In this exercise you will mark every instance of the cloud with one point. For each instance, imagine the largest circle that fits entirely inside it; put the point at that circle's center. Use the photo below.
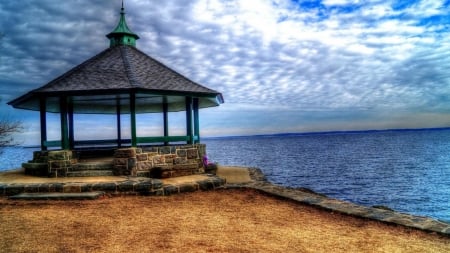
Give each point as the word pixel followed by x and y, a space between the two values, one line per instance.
pixel 349 61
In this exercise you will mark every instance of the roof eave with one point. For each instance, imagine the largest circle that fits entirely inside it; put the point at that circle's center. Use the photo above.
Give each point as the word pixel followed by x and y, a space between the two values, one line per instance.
pixel 17 103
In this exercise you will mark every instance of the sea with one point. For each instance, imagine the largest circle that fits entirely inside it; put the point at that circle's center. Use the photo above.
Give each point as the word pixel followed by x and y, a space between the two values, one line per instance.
pixel 407 170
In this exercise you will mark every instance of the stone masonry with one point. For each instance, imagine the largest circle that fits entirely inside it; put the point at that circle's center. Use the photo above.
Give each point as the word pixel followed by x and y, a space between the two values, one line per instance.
pixel 152 161
pixel 160 161
pixel 50 163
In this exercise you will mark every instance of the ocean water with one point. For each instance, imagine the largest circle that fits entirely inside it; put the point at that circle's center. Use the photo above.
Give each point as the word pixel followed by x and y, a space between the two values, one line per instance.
pixel 13 157
pixel 408 171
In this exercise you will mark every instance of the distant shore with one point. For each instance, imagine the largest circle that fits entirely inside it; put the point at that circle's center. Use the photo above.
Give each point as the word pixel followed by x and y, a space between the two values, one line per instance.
pixel 307 133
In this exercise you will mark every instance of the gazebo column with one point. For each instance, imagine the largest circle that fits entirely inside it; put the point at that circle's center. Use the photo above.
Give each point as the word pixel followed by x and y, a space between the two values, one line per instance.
pixel 166 120
pixel 64 123
pixel 133 119
pixel 189 131
pixel 119 132
pixel 196 121
pixel 71 129
pixel 43 119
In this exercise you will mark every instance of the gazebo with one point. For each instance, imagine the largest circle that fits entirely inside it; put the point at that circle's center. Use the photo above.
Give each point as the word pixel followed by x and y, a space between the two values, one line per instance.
pixel 119 80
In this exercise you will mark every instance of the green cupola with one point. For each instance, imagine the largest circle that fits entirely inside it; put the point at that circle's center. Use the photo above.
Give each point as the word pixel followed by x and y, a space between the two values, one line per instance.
pixel 122 35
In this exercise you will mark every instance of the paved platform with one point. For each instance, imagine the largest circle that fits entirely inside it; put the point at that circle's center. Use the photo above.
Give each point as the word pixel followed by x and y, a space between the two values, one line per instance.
pixel 16 182
pixel 234 175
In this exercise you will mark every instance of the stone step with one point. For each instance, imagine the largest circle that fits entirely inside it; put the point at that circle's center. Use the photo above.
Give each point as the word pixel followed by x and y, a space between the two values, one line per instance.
pixel 58 196
pixel 90 173
pixel 35 169
pixel 83 166
pixel 143 174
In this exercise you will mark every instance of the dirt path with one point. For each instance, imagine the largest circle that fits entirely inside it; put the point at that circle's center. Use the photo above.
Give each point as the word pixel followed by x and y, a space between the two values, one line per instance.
pixel 216 221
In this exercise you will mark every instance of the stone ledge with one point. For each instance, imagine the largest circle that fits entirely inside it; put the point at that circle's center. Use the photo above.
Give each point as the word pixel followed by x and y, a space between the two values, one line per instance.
pixel 211 183
pixel 309 197
pixel 130 185
pixel 58 196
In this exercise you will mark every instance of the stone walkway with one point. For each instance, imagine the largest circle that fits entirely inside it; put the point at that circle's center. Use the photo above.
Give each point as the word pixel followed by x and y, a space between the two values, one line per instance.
pixel 16 182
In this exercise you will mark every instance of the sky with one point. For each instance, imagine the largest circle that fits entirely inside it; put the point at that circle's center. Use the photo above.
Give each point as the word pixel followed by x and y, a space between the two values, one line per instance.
pixel 281 65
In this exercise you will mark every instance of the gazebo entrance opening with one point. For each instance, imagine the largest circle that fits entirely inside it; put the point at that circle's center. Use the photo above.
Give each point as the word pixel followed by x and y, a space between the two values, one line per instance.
pixel 118 106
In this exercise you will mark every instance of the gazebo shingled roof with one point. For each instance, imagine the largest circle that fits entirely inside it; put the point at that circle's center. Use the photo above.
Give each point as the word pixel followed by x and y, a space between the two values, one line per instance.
pixel 115 71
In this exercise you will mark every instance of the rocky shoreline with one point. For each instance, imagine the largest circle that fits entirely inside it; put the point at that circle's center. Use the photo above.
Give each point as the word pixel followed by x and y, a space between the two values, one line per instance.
pixel 306 196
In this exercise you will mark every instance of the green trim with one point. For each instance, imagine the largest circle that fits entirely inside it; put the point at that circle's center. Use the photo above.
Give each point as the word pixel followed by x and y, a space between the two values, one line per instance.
pixel 30 101
pixel 122 35
pixel 165 139
pixel 133 118
pixel 97 142
pixel 112 142
pixel 49 144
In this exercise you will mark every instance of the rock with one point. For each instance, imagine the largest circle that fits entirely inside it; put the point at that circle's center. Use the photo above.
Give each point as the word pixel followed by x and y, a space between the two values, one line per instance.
pixel 383 208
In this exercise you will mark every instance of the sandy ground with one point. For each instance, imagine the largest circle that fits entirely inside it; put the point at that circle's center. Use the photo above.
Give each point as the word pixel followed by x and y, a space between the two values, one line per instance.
pixel 215 221
pixel 18 176
pixel 233 174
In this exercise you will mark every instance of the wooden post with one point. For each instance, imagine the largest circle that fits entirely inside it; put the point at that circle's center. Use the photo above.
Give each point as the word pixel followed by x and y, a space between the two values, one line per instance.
pixel 196 121
pixel 64 125
pixel 71 129
pixel 133 118
pixel 166 120
pixel 189 132
pixel 43 118
pixel 119 133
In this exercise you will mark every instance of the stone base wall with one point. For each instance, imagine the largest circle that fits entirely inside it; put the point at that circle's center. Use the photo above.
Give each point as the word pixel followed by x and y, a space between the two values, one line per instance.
pixel 154 161
pixel 160 161
pixel 50 163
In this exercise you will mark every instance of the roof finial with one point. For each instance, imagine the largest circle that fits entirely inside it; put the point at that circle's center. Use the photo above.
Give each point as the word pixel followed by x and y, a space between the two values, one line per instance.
pixel 122 35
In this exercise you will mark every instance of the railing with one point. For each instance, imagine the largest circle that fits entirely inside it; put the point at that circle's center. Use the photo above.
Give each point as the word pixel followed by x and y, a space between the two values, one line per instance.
pixel 52 144
pixel 165 139
pixel 114 142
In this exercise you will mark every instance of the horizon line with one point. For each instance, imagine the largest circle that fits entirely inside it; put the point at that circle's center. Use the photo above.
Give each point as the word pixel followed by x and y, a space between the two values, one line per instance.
pixel 306 133
pixel 334 132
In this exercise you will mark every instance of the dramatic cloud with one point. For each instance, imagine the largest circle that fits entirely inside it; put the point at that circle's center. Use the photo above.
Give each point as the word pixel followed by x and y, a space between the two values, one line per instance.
pixel 282 65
